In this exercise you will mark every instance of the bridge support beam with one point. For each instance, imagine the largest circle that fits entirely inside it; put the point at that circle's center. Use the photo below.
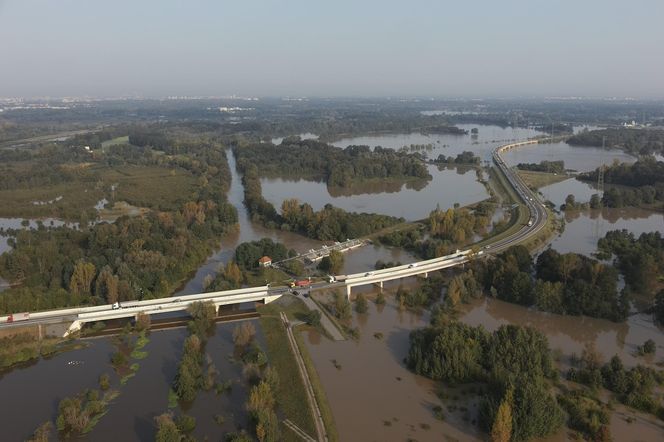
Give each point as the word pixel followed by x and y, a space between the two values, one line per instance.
pixel 269 299
pixel 73 328
pixel 348 292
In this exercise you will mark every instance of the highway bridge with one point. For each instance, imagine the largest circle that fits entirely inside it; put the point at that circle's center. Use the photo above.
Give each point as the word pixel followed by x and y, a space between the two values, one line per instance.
pixel 538 216
pixel 78 316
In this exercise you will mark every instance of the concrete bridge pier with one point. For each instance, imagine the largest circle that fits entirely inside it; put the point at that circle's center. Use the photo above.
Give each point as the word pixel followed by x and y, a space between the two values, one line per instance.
pixel 73 328
pixel 348 292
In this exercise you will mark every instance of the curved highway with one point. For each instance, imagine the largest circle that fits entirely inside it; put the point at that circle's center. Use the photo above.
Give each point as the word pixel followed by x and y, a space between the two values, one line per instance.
pixel 537 220
pixel 538 217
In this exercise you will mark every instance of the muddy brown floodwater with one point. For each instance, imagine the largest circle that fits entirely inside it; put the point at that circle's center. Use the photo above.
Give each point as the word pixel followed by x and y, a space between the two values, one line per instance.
pixel 584 228
pixel 373 396
pixel 32 393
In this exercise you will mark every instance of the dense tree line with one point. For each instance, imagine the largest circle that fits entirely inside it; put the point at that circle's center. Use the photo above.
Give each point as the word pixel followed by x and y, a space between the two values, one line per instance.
pixel 574 284
pixel 331 223
pixel 458 225
pixel 195 372
pixel 337 167
pixel 328 224
pixel 586 414
pixel 631 184
pixel 543 166
pixel 640 260
pixel 444 232
pixel 658 308
pixel 633 387
pixel 247 254
pixel 425 295
pixel 634 141
pixel 514 362
pixel 568 283
pixel 464 157
pixel 133 258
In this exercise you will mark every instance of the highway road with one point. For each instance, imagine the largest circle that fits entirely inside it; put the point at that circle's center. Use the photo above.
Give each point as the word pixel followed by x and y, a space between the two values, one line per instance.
pixel 538 218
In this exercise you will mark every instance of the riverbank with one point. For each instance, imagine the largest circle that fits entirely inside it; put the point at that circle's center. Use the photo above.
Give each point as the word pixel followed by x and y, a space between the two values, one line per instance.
pixel 292 395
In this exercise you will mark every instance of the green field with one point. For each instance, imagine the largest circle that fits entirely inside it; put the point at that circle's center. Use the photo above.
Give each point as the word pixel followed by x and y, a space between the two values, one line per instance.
pixel 150 186
pixel 142 186
pixel 115 141
pixel 76 197
pixel 535 180
pixel 292 398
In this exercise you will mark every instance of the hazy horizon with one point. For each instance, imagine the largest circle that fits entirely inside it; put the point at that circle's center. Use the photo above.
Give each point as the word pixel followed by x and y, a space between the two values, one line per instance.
pixel 374 49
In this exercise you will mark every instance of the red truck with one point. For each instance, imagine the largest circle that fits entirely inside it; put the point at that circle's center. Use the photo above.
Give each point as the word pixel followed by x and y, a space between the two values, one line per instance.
pixel 15 317
pixel 302 283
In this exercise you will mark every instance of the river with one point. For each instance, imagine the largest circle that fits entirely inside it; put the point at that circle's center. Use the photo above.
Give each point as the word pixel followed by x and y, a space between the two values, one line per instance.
pixel 356 260
pixel 373 395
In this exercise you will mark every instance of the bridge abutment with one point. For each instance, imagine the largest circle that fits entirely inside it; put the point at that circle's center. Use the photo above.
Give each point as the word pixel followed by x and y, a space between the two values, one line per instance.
pixel 73 328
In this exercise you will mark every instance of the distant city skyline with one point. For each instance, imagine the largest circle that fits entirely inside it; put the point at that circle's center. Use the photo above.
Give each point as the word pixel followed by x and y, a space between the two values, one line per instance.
pixel 271 48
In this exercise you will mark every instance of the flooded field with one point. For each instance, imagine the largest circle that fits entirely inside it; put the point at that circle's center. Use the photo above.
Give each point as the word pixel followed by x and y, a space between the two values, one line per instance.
pixel 373 396
pixel 569 334
pixel 578 158
pixel 355 260
pixel 584 228
pixel 131 415
pixel 556 193
pixel 482 143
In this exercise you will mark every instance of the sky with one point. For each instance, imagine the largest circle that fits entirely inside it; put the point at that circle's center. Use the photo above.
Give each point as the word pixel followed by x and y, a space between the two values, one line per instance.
pixel 317 48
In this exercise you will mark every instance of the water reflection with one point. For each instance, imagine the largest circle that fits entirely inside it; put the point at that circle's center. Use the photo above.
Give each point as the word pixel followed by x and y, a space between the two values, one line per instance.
pixel 556 193
pixel 488 137
pixel 579 158
pixel 356 260
pixel 584 228
pixel 411 201
pixel 372 386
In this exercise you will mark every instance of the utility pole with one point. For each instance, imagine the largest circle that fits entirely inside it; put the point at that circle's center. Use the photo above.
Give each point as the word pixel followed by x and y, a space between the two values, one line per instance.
pixel 600 190
pixel 600 173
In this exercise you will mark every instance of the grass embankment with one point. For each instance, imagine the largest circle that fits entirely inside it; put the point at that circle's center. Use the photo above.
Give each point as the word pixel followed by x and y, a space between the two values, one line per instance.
pixel 553 225
pixel 519 215
pixel 405 226
pixel 265 275
pixel 535 180
pixel 321 397
pixel 342 329
pixel 292 397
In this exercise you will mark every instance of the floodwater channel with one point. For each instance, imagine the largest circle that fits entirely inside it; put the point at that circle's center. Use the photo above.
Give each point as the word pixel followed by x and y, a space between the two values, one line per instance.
pixel 36 389
pixel 373 396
